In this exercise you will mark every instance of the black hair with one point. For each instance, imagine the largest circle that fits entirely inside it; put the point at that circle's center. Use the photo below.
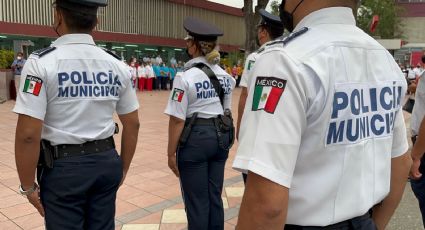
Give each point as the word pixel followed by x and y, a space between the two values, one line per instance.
pixel 273 31
pixel 423 59
pixel 78 17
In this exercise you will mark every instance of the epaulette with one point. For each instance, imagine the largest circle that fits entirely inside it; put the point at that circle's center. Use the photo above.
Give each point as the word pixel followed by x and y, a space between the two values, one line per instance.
pixel 112 54
pixel 285 40
pixel 41 52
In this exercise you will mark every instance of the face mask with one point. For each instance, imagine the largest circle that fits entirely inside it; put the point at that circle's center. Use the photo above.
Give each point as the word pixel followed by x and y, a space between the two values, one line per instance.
pixel 19 58
pixel 286 17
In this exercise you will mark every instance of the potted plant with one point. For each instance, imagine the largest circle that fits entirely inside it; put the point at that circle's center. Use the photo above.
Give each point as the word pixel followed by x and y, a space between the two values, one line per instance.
pixel 6 75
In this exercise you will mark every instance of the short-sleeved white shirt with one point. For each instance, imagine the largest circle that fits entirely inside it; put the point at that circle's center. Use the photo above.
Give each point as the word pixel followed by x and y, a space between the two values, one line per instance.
pixel 418 112
pixel 149 71
pixel 142 72
pixel 194 93
pixel 75 89
pixel 249 65
pixel 323 121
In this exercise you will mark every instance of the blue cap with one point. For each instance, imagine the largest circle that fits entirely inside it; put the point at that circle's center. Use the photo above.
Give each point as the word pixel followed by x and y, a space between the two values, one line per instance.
pixel 268 19
pixel 90 2
pixel 201 30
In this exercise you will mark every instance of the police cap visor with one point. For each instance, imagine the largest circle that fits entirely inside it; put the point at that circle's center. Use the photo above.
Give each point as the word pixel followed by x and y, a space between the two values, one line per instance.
pixel 201 30
pixel 89 2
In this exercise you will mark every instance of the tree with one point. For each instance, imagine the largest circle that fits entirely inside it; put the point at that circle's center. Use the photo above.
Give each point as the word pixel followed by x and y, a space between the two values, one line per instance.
pixel 389 25
pixel 251 20
pixel 275 7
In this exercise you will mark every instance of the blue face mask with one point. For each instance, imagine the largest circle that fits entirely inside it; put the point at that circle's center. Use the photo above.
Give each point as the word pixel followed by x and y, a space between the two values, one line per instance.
pixel 286 17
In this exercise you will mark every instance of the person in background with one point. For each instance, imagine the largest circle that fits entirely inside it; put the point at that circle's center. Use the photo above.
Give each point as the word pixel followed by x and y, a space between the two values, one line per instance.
pixel 141 76
pixel 150 76
pixel 133 70
pixel 239 71
pixel 157 73
pixel 17 66
pixel 173 71
pixel 165 75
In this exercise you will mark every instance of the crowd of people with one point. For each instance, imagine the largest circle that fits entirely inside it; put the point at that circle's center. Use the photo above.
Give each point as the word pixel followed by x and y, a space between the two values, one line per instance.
pixel 153 73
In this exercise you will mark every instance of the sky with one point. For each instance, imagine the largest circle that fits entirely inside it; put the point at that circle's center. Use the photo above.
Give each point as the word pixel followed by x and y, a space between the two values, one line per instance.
pixel 237 3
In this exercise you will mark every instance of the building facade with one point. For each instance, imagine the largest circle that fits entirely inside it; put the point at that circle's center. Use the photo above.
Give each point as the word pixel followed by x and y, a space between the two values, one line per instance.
pixel 129 27
pixel 413 20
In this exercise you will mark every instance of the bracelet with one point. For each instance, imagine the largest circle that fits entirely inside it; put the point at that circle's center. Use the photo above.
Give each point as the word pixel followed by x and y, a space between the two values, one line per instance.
pixel 29 191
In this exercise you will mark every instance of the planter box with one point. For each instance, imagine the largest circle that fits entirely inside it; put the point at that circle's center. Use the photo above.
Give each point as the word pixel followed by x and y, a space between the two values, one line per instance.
pixel 6 76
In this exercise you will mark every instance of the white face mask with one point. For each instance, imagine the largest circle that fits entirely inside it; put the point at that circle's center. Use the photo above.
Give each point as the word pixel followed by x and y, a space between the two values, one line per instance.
pixel 19 58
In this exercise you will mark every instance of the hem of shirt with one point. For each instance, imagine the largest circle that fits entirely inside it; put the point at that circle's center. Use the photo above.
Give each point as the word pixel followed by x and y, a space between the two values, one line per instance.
pixel 174 115
pixel 128 109
pixel 245 165
pixel 400 151
pixel 29 112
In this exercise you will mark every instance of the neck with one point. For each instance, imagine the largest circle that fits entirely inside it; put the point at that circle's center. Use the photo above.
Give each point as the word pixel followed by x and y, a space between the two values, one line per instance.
pixel 308 7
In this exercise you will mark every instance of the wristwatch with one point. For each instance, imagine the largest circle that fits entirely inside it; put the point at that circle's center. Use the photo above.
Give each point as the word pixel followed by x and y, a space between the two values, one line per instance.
pixel 29 191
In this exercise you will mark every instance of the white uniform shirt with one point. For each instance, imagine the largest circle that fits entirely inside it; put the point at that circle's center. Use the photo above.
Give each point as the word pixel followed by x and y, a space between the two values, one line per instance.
pixel 142 72
pixel 323 121
pixel 411 74
pixel 75 90
pixel 418 112
pixel 249 65
pixel 149 71
pixel 193 92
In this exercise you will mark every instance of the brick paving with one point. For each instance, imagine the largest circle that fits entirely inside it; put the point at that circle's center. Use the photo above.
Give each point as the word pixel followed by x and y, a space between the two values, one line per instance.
pixel 150 197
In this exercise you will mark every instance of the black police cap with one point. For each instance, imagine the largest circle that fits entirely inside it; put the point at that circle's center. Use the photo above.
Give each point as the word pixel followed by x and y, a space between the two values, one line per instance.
pixel 201 30
pixel 89 2
pixel 268 19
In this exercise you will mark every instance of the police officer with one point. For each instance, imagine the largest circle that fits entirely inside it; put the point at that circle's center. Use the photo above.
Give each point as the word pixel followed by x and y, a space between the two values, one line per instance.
pixel 417 181
pixel 269 28
pixel 198 144
pixel 69 92
pixel 323 134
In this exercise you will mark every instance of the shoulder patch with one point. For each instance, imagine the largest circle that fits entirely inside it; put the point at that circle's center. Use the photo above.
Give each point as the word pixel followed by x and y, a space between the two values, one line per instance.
pixel 44 51
pixel 112 54
pixel 289 38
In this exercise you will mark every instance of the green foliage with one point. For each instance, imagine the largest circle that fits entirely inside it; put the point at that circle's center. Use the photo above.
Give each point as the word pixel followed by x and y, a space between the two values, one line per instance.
pixel 6 58
pixel 275 7
pixel 389 25
pixel 233 58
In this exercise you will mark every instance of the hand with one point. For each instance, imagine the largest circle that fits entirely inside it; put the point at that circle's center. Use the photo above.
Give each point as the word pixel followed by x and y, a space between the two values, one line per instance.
pixel 414 169
pixel 172 164
pixel 34 199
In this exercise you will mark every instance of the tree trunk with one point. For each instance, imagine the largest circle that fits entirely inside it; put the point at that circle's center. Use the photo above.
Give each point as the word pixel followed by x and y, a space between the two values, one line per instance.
pixel 251 20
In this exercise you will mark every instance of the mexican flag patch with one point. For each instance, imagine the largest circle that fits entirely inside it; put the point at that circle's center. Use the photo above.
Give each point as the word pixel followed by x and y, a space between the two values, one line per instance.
pixel 250 64
pixel 267 93
pixel 177 95
pixel 32 85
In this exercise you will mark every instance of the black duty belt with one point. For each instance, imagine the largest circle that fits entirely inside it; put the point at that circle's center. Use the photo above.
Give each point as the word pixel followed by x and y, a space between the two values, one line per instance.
pixel 205 121
pixel 344 225
pixel 89 147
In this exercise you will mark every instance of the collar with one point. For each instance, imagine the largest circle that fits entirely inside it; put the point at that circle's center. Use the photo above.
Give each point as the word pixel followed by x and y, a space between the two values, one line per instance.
pixel 193 61
pixel 330 15
pixel 74 39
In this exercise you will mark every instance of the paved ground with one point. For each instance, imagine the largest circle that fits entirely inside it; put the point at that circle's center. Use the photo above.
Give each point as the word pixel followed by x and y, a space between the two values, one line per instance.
pixel 150 197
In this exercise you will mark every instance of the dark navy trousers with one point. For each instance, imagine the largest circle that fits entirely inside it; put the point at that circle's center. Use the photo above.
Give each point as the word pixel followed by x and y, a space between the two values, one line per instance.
pixel 418 187
pixel 79 192
pixel 201 165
